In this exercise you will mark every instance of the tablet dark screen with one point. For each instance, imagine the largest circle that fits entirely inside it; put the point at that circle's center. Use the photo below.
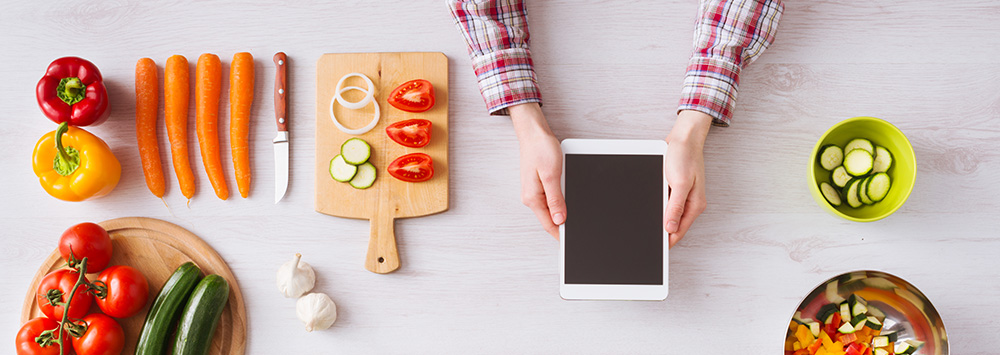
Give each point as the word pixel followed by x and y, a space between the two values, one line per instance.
pixel 614 225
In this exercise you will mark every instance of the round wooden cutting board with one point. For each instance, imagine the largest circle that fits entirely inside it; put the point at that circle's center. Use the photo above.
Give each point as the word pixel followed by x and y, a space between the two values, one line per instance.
pixel 157 248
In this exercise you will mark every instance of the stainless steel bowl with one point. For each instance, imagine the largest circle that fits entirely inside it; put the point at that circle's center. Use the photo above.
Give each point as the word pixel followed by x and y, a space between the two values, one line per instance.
pixel 906 309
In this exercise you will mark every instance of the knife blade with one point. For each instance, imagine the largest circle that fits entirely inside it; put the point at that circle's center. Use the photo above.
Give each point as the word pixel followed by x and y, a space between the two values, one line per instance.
pixel 280 116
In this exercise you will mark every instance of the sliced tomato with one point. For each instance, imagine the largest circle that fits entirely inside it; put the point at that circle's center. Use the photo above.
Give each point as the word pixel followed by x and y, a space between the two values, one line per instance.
pixel 413 133
pixel 413 96
pixel 415 167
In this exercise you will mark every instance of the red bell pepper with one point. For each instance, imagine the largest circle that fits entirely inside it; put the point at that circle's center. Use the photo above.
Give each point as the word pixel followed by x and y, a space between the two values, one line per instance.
pixel 73 91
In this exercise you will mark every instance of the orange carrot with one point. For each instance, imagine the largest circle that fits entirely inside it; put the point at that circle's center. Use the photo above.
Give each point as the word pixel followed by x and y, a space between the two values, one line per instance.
pixel 147 93
pixel 176 95
pixel 240 100
pixel 208 87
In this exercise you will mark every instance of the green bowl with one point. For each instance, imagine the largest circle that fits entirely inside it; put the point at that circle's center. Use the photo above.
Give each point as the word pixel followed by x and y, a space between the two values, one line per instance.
pixel 902 173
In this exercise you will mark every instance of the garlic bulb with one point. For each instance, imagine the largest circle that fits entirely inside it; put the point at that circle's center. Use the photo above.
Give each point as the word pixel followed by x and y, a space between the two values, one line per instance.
pixel 317 311
pixel 296 277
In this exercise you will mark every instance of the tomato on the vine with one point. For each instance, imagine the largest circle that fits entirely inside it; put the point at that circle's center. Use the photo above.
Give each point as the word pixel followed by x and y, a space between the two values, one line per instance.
pixel 413 96
pixel 126 293
pixel 86 240
pixel 104 336
pixel 55 288
pixel 30 331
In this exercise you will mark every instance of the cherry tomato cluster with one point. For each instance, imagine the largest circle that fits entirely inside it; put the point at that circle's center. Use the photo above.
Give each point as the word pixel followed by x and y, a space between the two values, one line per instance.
pixel 65 297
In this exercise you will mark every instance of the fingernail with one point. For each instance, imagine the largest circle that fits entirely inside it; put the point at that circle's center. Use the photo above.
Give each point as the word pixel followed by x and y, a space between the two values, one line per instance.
pixel 558 218
pixel 672 227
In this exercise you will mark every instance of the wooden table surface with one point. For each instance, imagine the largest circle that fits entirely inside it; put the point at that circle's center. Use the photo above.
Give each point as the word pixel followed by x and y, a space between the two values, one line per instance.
pixel 482 277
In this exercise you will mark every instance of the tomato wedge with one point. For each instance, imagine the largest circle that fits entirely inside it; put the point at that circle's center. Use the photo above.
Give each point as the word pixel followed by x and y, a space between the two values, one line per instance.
pixel 413 96
pixel 414 167
pixel 413 133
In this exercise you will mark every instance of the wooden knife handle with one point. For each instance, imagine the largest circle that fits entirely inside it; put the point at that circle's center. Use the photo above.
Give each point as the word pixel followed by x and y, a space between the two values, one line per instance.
pixel 280 90
pixel 383 257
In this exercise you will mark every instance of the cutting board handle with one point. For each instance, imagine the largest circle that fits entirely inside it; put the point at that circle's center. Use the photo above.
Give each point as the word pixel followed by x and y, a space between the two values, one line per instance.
pixel 382 255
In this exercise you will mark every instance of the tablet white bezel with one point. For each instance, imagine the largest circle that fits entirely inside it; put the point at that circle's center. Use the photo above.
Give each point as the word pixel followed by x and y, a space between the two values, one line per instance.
pixel 612 292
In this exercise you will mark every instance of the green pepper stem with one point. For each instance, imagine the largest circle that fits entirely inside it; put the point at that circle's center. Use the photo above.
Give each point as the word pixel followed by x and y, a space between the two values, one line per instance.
pixel 68 158
pixel 71 90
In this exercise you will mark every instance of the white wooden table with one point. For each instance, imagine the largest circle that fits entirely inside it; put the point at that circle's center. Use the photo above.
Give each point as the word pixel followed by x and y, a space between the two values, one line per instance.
pixel 482 277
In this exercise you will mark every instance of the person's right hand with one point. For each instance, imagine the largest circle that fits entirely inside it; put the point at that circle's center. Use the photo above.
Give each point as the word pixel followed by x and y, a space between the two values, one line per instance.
pixel 541 166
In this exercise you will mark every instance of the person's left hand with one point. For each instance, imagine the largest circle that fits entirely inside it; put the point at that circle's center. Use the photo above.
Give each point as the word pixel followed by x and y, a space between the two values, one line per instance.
pixel 684 169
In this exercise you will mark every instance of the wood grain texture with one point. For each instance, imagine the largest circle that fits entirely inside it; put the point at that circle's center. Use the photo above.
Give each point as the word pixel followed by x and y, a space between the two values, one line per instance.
pixel 483 276
pixel 157 248
pixel 389 198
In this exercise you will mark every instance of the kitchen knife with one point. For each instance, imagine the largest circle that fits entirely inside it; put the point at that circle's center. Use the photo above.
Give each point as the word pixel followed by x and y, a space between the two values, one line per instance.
pixel 281 141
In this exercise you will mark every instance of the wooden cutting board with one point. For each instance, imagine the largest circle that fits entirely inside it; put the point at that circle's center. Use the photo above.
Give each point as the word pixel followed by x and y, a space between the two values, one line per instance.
pixel 389 198
pixel 157 248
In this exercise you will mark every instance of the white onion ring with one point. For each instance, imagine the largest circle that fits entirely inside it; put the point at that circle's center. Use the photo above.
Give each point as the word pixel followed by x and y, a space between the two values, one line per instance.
pixel 369 94
pixel 358 131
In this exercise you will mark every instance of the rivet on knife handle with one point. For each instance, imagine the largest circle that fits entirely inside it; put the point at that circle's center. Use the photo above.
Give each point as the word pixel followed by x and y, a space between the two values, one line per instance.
pixel 281 63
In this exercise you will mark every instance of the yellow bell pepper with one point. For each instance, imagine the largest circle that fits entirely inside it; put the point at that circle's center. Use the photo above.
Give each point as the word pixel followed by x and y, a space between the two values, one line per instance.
pixel 74 165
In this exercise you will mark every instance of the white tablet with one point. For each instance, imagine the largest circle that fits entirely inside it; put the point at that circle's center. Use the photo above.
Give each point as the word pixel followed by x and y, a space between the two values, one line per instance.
pixel 613 245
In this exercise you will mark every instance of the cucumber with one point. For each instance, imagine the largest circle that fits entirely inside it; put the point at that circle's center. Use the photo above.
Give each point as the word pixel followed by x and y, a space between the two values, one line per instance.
pixel 165 309
pixel 883 160
pixel 201 316
pixel 860 143
pixel 858 162
pixel 356 151
pixel 365 177
pixel 879 186
pixel 830 193
pixel 340 170
pixel 840 177
pixel 830 157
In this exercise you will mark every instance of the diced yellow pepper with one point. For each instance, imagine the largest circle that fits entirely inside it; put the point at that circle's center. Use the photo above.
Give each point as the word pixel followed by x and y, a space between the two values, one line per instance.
pixel 804 335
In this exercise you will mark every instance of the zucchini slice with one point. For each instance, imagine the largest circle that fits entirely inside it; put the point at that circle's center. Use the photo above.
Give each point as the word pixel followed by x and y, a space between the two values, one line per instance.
pixel 858 162
pixel 874 323
pixel 880 341
pixel 879 186
pixel 365 177
pixel 830 157
pixel 846 328
pixel 840 177
pixel 826 311
pixel 831 194
pixel 863 192
pixel 851 195
pixel 813 328
pixel 883 160
pixel 893 337
pixel 356 151
pixel 860 143
pixel 845 313
pixel 340 170
pixel 879 351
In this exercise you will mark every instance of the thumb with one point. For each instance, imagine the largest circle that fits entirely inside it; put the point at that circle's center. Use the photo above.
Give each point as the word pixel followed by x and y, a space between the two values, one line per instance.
pixel 554 198
pixel 675 207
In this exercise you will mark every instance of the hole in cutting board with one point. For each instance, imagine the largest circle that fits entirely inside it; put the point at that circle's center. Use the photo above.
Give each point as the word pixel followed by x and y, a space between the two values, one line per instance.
pixel 381 260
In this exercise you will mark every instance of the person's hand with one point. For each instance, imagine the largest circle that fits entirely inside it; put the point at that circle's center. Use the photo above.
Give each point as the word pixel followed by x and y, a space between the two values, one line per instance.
pixel 684 169
pixel 541 166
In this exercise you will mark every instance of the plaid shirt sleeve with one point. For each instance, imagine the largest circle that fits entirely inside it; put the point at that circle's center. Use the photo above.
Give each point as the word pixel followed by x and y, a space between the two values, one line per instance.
pixel 497 34
pixel 730 34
